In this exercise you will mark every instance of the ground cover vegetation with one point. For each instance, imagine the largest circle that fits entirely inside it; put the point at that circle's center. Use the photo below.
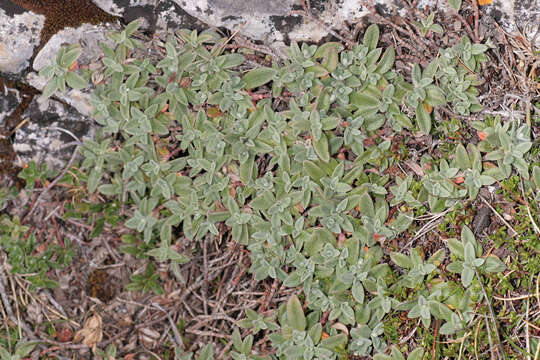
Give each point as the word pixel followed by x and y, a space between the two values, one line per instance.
pixel 340 182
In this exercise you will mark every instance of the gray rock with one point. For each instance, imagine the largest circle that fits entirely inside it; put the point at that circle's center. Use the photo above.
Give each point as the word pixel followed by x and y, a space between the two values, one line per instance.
pixel 170 17
pixel 271 20
pixel 274 21
pixel 268 20
pixel 131 10
pixel 78 99
pixel 9 100
pixel 516 16
pixel 47 136
pixel 158 15
pixel 88 36
pixel 19 35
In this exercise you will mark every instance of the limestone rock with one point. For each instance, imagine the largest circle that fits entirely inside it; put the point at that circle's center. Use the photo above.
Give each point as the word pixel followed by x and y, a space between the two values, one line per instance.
pixel 275 21
pixel 170 16
pixel 20 33
pixel 46 136
pixel 9 100
pixel 88 36
pixel 131 9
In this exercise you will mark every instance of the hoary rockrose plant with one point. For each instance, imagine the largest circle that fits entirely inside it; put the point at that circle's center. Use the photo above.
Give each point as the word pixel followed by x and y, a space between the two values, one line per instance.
pixel 190 151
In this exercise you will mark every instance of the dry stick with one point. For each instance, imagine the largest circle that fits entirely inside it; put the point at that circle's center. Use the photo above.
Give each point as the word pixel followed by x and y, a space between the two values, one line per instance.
pixel 535 227
pixel 3 294
pixel 177 336
pixel 527 340
pixel 538 289
pixel 197 284
pixel 52 184
pixel 208 333
pixel 231 37
pixel 205 273
pixel 462 344
pixel 60 313
pixel 499 216
pixel 435 339
pixel 476 340
pixel 268 298
pixel 462 19
pixel 16 305
pixel 488 328
pixel 8 308
pixel 384 20
pixel 419 40
pixel 476 20
pixel 275 53
pixel 521 297
pixel 492 314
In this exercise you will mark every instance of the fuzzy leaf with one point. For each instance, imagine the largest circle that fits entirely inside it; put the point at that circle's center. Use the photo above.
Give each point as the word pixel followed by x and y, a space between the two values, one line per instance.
pixel 371 36
pixel 455 4
pixel 295 314
pixel 435 96
pixel 462 158
pixel 536 176
pixel 416 354
pixel 75 81
pixel 50 88
pixel 246 169
pixel 423 119
pixel 258 77
pixel 467 275
pixel 328 52
pixel 237 339
pixel 318 70
pixel 387 61
pixel 321 148
pixel 207 353
pixel 363 101
pixel 68 58
pixel 133 26
pixel 358 292
pixel 334 342
pixel 231 60
pixel 313 170
pixel 366 205
pixel 315 332
pixel 456 248
pixel 401 260
pixel 493 264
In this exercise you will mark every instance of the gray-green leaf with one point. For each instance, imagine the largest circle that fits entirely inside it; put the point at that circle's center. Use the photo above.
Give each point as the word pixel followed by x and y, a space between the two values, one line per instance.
pixel 258 77
pixel 295 315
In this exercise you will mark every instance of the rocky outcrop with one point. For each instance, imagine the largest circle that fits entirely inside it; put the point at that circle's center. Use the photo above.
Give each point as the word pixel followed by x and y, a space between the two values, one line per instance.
pixel 268 21
pixel 19 36
pixel 51 132
pixel 278 20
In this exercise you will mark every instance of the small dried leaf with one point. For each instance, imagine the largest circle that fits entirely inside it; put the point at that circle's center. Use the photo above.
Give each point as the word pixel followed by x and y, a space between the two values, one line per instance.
pixel 148 338
pixel 91 333
pixel 481 135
